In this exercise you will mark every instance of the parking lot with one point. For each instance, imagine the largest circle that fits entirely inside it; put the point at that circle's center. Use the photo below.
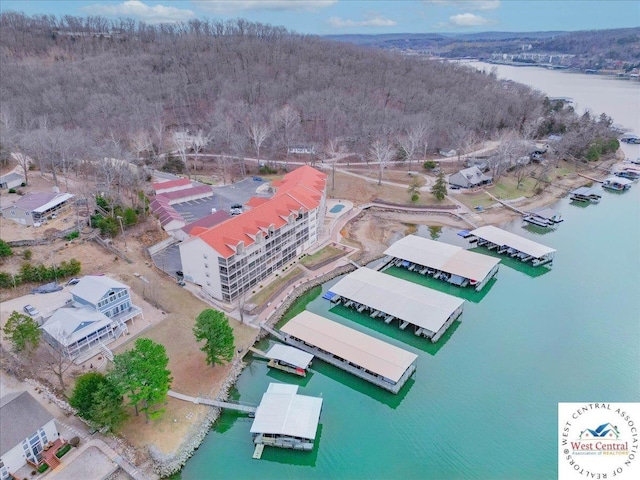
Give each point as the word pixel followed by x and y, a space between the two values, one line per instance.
pixel 168 260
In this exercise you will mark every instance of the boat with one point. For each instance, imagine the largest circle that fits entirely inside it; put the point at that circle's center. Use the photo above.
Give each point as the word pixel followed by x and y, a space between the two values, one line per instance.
pixel 628 174
pixel 617 184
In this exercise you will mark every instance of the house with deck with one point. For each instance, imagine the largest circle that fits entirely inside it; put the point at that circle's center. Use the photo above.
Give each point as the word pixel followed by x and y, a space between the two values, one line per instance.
pixel 471 177
pixel 29 435
pixel 34 208
pixel 96 315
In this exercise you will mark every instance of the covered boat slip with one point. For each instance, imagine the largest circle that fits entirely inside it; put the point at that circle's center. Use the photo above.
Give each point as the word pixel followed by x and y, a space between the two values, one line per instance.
pixel 461 266
pixel 285 419
pixel 289 359
pixel 585 194
pixel 369 358
pixel 390 298
pixel 513 245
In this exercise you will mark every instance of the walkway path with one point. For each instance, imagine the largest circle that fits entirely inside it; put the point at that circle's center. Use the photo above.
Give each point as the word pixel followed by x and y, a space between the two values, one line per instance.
pixel 212 403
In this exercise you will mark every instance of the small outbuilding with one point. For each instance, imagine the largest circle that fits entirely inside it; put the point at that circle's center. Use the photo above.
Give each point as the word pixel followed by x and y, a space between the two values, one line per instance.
pixel 11 180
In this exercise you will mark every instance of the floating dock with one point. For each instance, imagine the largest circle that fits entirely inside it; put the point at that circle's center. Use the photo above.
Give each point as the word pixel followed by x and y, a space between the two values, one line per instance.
pixel 544 217
pixel 513 245
pixel 585 194
pixel 617 183
pixel 461 267
pixel 287 359
pixel 366 357
pixel 285 419
pixel 430 312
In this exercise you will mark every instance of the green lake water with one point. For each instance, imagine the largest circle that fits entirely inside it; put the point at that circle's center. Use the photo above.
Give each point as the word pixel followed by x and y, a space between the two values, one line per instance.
pixel 483 401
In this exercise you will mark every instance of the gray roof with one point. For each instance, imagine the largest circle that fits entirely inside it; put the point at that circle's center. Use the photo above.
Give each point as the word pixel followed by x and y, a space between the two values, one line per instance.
pixel 469 177
pixel 10 177
pixel 405 300
pixel 69 325
pixel 20 417
pixel 283 412
pixel 31 201
pixel 503 238
pixel 290 355
pixel 93 287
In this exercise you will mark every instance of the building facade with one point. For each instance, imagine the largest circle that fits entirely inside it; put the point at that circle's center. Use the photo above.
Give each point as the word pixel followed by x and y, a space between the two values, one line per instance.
pixel 231 258
pixel 27 429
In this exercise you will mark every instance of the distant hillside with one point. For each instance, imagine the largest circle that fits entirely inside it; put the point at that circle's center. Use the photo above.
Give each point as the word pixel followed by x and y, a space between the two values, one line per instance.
pixel 617 48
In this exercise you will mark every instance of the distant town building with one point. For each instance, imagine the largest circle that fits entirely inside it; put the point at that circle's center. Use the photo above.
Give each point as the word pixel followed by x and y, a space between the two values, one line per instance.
pixel 230 258
pixel 302 150
pixel 34 208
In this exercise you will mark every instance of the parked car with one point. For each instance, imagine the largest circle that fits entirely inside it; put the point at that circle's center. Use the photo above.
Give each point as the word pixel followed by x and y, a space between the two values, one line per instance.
pixel 73 281
pixel 31 311
pixel 257 179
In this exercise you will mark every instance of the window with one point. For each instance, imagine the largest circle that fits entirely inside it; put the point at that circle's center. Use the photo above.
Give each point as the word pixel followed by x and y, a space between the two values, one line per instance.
pixel 205 255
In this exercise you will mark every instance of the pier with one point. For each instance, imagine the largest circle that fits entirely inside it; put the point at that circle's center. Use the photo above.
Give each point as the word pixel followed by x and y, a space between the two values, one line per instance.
pixel 366 357
pixel 213 403
pixel 428 257
pixel 380 295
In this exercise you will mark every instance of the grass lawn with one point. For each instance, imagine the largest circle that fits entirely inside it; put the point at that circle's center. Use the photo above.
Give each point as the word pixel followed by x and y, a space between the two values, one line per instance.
pixel 320 256
pixel 505 189
pixel 263 294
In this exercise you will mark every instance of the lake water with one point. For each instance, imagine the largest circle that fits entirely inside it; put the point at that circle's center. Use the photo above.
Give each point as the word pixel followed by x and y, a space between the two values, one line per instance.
pixel 483 401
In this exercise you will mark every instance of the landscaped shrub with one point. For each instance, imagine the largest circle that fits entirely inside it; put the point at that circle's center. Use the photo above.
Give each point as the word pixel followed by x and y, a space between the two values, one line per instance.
pixel 5 249
pixel 43 468
pixel 60 453
pixel 72 235
pixel 74 442
pixel 12 190
pixel 27 254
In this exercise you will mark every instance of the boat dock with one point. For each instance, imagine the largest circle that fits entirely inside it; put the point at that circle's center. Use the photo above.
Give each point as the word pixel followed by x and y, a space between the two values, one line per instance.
pixel 513 245
pixel 366 357
pixel 443 261
pixel 285 419
pixel 585 194
pixel 617 183
pixel 389 298
pixel 287 359
pixel 544 217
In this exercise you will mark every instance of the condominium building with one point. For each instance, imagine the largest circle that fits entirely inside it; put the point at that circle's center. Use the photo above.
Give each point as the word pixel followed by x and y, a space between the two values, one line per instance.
pixel 230 258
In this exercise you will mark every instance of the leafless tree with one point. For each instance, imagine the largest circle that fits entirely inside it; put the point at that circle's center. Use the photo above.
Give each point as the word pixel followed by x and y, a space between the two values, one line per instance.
pixel 381 152
pixel 258 132
pixel 287 121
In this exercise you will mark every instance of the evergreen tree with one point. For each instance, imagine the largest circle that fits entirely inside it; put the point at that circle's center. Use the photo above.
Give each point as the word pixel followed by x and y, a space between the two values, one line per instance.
pixel 22 331
pixel 439 189
pixel 97 400
pixel 213 327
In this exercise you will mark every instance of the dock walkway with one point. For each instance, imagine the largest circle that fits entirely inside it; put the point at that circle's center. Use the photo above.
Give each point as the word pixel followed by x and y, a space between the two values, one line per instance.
pixel 212 403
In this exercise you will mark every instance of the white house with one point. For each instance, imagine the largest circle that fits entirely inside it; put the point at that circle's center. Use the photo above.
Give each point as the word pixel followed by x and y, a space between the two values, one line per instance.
pixel 11 180
pixel 96 315
pixel 230 258
pixel 27 429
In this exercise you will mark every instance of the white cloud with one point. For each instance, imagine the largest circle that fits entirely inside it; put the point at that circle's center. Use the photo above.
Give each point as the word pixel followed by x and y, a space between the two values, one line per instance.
pixel 375 21
pixel 468 20
pixel 229 6
pixel 467 4
pixel 140 11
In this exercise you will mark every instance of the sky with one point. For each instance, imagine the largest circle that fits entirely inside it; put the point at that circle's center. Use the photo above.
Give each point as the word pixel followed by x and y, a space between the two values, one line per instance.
pixel 326 17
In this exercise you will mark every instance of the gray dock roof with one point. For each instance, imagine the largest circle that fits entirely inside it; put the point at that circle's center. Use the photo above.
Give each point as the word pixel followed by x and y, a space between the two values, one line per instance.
pixel 358 348
pixel 442 256
pixel 405 300
pixel 290 355
pixel 502 237
pixel 283 412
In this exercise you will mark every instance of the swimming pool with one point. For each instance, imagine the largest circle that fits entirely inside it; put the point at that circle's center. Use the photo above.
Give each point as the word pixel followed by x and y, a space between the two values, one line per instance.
pixel 336 208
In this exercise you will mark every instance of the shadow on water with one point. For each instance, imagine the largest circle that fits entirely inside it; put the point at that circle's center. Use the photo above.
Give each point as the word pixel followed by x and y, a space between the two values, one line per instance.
pixel 536 230
pixel 573 203
pixel 290 378
pixel 389 399
pixel 294 457
pixel 392 330
pixel 515 264
pixel 467 293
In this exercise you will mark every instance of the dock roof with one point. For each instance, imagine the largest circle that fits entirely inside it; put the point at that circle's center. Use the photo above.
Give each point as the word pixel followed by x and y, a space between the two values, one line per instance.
pixel 405 300
pixel 290 355
pixel 442 256
pixel 358 348
pixel 283 412
pixel 503 238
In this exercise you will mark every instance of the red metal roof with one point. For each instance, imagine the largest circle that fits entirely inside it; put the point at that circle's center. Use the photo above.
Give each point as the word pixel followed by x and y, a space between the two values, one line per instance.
pixel 298 191
pixel 186 192
pixel 207 222
pixel 171 184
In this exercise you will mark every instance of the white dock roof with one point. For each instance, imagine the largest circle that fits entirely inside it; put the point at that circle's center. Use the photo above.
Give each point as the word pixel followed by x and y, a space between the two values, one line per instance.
pixel 290 355
pixel 283 412
pixel 405 300
pixel 360 349
pixel 501 237
pixel 442 256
